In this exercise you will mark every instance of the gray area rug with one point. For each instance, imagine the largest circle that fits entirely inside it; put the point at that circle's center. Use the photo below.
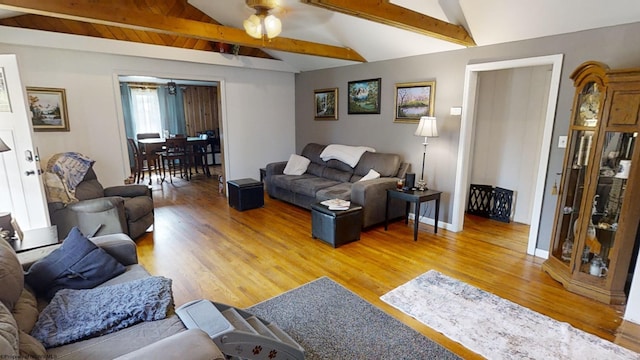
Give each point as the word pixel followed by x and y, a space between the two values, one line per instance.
pixel 331 322
pixel 494 327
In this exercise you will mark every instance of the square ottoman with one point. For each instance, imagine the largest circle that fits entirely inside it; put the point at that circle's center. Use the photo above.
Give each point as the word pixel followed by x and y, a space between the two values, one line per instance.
pixel 245 194
pixel 336 227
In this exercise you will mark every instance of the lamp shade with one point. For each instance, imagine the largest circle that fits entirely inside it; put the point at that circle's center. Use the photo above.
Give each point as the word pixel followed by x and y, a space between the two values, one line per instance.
pixel 3 146
pixel 260 25
pixel 427 127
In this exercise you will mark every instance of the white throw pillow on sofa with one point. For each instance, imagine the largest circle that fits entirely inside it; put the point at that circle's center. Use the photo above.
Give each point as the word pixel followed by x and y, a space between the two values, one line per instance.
pixel 297 165
pixel 372 174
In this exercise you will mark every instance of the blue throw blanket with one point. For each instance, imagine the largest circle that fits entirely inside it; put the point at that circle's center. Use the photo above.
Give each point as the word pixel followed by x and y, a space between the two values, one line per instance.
pixel 77 314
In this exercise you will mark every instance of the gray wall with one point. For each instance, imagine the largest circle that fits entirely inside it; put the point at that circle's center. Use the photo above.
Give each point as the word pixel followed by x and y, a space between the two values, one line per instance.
pixel 615 46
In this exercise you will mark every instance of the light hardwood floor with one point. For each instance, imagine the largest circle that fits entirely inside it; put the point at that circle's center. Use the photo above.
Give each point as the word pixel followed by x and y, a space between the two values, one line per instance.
pixel 241 258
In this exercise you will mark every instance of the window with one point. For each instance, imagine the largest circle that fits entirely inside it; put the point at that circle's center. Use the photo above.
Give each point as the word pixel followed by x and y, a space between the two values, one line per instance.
pixel 145 109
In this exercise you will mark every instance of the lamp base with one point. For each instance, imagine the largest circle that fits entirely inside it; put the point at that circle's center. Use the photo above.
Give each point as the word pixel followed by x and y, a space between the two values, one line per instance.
pixel 421 185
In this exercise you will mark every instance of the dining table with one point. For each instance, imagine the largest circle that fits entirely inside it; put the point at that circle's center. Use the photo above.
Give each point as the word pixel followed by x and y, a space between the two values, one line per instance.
pixel 150 147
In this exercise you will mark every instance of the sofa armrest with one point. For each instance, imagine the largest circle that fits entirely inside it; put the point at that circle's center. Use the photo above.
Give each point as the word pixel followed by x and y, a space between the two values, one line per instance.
pixel 276 168
pixel 120 246
pixel 191 344
pixel 372 195
pixel 128 191
pixel 96 205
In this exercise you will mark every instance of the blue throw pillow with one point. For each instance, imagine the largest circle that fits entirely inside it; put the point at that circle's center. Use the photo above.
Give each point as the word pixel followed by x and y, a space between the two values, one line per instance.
pixel 77 264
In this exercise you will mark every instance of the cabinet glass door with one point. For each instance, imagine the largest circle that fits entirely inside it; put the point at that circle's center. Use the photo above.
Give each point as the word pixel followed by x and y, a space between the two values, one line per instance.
pixel 573 189
pixel 614 164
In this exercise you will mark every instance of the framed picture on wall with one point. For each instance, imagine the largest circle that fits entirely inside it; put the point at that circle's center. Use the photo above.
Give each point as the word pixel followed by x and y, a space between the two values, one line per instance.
pixel 326 104
pixel 364 96
pixel 414 100
pixel 49 109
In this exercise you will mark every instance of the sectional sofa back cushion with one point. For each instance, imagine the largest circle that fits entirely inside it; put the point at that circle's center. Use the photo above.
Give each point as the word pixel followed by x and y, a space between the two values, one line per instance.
pixel 332 169
pixel 385 164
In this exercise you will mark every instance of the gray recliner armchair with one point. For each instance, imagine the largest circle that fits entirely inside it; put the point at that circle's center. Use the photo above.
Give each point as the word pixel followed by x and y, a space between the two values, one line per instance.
pixel 100 211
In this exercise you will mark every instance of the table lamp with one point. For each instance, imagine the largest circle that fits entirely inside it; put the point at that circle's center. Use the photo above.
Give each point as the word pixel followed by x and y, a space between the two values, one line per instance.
pixel 426 128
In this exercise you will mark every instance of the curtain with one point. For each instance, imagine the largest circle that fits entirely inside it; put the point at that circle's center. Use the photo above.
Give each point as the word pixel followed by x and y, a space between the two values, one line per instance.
pixel 172 110
pixel 129 121
pixel 145 107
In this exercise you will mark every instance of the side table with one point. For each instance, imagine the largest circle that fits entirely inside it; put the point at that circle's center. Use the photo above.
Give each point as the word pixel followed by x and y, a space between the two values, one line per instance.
pixel 417 197
pixel 36 238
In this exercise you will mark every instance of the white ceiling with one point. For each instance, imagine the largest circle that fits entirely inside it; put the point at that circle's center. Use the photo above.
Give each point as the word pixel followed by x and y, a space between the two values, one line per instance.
pixel 488 21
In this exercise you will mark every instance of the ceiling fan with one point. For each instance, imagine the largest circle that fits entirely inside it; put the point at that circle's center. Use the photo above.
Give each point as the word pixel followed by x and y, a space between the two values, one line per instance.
pixel 262 23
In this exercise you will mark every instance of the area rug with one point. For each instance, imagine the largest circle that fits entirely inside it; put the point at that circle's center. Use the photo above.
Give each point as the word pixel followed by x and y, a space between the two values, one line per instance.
pixel 331 322
pixel 494 327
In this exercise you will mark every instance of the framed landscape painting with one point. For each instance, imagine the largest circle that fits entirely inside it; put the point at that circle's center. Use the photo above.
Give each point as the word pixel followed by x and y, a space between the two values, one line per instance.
pixel 414 100
pixel 49 109
pixel 364 97
pixel 326 104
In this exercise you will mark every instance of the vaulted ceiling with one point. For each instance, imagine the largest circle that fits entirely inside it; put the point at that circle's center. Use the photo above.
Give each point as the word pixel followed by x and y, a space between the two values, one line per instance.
pixel 320 33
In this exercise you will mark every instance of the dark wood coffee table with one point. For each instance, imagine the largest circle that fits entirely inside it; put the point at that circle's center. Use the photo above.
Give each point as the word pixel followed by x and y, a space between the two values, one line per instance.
pixel 417 197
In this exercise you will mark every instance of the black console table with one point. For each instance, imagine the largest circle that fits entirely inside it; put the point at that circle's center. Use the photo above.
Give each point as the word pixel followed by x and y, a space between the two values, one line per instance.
pixel 417 197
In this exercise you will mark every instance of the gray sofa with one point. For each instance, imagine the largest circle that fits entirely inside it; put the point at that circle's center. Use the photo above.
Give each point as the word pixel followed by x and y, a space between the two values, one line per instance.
pixel 19 309
pixel 332 179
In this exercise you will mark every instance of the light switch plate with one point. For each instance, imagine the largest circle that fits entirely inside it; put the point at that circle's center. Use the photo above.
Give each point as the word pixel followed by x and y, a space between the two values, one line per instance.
pixel 562 142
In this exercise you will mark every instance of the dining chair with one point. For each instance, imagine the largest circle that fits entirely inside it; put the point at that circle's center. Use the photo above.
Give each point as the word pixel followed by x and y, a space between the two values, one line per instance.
pixel 175 155
pixel 151 161
pixel 137 170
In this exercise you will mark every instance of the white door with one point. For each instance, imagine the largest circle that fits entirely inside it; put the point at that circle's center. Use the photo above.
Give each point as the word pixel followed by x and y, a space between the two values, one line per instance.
pixel 21 188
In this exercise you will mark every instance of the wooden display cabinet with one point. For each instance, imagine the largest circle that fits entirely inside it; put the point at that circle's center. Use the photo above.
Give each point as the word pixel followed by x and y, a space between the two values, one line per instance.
pixel 597 215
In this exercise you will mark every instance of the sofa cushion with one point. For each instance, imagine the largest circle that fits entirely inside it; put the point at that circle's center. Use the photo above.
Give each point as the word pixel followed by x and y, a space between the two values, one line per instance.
pixel 11 276
pixel 312 152
pixel 286 181
pixel 340 191
pixel 9 338
pixel 297 165
pixel 77 264
pixel 137 207
pixel 311 185
pixel 337 175
pixel 30 347
pixel 386 164
pixel 315 169
pixel 121 342
pixel 26 311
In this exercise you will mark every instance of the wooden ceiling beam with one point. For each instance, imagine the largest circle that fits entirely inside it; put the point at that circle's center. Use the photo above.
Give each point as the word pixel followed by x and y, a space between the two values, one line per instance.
pixel 384 12
pixel 105 13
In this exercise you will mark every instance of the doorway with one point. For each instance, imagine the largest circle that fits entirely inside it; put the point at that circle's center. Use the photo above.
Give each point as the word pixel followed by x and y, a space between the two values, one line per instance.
pixel 168 107
pixel 465 146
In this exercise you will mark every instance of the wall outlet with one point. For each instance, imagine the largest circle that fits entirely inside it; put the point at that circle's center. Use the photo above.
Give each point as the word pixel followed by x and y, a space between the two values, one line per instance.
pixel 562 142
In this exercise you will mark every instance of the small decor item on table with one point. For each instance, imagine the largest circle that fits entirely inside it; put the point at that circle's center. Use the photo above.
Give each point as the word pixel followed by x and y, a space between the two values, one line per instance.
pixel 6 230
pixel 421 184
pixel 337 204
pixel 400 184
